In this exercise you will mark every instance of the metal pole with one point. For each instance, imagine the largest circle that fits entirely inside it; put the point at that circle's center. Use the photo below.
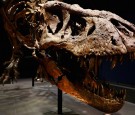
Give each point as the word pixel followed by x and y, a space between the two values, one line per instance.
pixel 59 101
pixel 33 38
pixel 32 81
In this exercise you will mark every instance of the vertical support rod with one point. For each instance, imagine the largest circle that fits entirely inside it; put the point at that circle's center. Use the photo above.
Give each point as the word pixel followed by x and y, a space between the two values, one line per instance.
pixel 59 101
pixel 33 38
pixel 32 81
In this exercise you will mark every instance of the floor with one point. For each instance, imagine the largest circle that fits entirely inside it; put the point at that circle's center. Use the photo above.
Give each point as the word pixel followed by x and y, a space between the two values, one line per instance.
pixel 23 99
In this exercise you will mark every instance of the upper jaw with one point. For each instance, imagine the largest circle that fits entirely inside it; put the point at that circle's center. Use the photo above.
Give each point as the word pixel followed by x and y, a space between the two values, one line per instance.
pixel 101 42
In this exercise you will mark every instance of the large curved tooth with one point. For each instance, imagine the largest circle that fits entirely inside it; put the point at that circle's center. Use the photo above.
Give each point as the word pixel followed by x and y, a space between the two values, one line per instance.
pixel 107 85
pixel 81 63
pixel 131 56
pixel 91 63
pixel 116 93
pixel 101 93
pixel 117 98
pixel 121 59
pixel 94 90
pixel 97 92
pixel 96 66
pixel 111 59
pixel 71 57
pixel 78 59
pixel 84 64
pixel 120 93
pixel 114 62
pixel 110 96
pixel 89 86
pixel 134 55
pixel 57 56
pixel 99 61
pixel 123 93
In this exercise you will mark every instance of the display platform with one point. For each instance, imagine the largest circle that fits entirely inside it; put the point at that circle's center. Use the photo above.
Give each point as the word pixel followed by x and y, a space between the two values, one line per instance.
pixel 23 99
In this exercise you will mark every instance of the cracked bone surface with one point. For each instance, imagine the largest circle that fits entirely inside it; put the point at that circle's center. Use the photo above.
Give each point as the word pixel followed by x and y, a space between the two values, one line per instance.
pixel 70 43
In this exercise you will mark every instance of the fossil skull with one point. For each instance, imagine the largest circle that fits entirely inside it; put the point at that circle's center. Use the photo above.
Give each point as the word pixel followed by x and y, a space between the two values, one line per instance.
pixel 74 41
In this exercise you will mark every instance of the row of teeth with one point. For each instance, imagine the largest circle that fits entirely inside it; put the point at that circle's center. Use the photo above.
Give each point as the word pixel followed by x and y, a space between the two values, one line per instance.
pixel 93 63
pixel 112 93
pixel 113 59
pixel 100 89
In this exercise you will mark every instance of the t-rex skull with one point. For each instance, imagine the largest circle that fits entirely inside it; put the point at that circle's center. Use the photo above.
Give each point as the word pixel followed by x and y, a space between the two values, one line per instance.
pixel 70 42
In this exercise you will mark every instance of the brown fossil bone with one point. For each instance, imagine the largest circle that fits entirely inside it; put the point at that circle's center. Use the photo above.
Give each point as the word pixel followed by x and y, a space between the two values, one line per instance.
pixel 69 43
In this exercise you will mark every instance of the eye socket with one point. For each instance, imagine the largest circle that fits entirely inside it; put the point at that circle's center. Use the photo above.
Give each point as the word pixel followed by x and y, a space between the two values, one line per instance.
pixel 77 24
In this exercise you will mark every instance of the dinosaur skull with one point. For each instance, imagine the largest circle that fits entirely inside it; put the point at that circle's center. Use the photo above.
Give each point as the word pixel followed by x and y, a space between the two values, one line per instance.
pixel 75 41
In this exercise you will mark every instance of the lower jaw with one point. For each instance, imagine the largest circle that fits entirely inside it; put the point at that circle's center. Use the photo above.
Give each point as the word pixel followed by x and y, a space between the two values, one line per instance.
pixel 78 91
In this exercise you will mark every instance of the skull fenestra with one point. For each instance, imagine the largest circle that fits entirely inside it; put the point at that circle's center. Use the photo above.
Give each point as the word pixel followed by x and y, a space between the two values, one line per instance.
pixel 69 43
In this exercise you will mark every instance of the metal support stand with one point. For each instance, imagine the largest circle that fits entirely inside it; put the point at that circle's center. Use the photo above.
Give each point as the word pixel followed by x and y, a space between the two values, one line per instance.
pixel 33 81
pixel 59 101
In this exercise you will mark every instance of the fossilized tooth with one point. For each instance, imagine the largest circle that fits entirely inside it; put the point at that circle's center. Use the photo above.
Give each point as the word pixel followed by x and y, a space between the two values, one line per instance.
pixel 121 59
pixel 121 94
pixel 86 33
pixel 99 61
pixel 96 66
pixel 114 62
pixel 101 90
pixel 57 56
pixel 124 94
pixel 134 55
pixel 98 90
pixel 91 63
pixel 81 63
pixel 78 59
pixel 131 56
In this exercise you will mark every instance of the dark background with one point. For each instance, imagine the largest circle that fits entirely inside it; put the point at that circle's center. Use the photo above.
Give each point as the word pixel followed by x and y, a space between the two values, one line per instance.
pixel 123 73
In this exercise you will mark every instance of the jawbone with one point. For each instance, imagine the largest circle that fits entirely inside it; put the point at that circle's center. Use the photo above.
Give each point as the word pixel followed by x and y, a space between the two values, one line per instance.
pixel 82 82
